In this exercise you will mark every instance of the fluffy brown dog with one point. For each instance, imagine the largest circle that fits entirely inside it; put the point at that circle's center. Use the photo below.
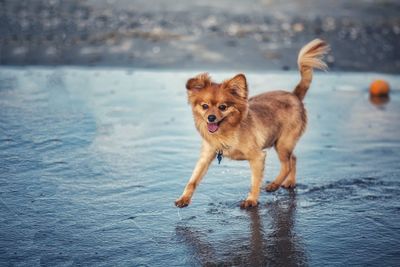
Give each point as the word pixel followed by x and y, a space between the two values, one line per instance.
pixel 240 128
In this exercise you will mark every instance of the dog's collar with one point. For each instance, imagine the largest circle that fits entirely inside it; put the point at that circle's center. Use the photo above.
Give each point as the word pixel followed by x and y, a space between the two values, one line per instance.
pixel 219 155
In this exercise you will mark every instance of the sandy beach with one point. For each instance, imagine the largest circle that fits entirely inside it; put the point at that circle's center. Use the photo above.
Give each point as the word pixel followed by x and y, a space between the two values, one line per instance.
pixel 208 35
pixel 86 181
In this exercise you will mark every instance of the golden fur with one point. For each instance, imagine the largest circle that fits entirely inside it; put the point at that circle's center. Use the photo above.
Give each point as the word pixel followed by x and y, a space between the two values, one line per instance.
pixel 242 128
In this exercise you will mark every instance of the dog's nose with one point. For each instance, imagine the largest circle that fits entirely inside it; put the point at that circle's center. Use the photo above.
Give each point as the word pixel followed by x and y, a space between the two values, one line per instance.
pixel 211 118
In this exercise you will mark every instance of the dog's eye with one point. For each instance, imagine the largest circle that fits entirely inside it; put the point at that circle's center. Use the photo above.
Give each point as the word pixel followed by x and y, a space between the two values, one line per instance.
pixel 222 107
pixel 204 106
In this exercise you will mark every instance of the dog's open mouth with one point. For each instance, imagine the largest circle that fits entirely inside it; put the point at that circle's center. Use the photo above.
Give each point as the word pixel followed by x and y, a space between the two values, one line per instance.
pixel 213 126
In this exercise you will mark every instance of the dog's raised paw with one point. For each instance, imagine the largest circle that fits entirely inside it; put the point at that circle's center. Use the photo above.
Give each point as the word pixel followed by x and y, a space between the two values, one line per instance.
pixel 182 202
pixel 248 203
pixel 271 187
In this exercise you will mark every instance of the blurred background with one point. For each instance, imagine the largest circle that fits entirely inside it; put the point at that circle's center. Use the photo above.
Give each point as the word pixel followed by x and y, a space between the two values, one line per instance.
pixel 251 34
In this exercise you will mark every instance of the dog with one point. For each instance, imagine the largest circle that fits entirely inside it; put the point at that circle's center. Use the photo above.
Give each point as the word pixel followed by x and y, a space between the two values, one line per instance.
pixel 235 126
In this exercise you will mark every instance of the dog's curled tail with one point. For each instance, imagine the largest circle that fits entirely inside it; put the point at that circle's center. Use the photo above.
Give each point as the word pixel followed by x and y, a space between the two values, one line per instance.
pixel 310 57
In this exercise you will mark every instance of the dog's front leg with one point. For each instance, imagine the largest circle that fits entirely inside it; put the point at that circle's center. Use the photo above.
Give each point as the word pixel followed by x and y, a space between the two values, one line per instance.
pixel 206 156
pixel 257 162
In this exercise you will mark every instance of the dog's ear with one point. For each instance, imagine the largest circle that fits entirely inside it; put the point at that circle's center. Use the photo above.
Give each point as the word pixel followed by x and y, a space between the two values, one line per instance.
pixel 237 86
pixel 199 82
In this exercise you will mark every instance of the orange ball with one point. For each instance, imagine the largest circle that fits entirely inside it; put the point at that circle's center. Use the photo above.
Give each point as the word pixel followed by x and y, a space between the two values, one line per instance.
pixel 379 88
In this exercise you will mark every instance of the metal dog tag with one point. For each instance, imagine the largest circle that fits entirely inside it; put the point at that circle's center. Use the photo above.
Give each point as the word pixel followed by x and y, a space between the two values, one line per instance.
pixel 219 156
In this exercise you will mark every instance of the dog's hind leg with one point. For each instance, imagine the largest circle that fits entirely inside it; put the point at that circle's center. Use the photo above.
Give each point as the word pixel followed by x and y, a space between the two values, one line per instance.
pixel 290 181
pixel 284 153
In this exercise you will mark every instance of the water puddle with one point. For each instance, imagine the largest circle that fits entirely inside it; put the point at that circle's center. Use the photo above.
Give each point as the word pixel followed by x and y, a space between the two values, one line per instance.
pixel 93 158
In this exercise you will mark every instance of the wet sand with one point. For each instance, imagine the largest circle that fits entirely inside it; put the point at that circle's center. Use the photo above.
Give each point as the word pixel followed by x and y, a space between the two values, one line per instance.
pixel 93 158
pixel 247 35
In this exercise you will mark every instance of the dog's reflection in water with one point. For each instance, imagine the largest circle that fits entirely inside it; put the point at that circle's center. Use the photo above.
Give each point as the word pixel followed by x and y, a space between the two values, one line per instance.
pixel 279 246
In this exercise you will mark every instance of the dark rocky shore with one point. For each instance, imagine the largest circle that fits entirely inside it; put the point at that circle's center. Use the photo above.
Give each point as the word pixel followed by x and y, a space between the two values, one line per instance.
pixel 206 35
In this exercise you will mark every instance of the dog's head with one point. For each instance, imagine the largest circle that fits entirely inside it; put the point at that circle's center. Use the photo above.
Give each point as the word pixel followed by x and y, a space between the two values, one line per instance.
pixel 217 107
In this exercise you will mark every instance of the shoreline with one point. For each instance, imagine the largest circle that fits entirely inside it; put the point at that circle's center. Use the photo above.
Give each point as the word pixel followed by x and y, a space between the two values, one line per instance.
pixel 251 35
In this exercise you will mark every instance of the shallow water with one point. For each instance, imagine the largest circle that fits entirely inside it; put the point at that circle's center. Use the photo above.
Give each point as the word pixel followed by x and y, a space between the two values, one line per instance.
pixel 92 160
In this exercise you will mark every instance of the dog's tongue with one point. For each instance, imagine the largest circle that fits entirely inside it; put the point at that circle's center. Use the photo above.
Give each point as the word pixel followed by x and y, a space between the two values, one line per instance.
pixel 212 127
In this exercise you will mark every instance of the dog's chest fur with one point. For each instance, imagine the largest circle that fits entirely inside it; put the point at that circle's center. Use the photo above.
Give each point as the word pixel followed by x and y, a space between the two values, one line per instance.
pixel 228 145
